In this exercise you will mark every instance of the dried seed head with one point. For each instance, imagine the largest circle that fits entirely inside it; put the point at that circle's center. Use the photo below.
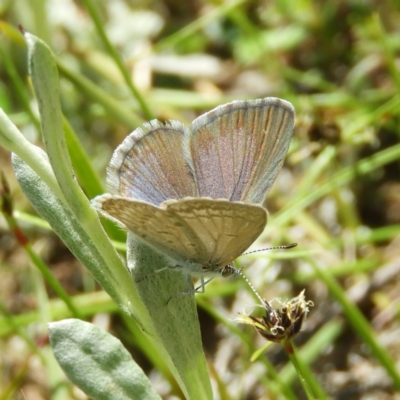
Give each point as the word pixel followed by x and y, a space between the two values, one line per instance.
pixel 281 324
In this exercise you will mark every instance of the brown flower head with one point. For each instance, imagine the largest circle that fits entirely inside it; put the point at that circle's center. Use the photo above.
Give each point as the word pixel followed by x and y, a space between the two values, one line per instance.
pixel 281 324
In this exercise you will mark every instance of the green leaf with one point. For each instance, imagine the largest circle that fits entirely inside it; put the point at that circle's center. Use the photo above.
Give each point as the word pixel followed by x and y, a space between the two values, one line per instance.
pixel 69 229
pixel 97 362
pixel 44 74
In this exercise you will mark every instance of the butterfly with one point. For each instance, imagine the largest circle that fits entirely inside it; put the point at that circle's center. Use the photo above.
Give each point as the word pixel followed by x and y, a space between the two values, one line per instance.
pixel 196 194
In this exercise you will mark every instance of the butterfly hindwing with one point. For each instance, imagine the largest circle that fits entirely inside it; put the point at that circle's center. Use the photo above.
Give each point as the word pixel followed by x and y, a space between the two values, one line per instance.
pixel 190 231
pixel 225 229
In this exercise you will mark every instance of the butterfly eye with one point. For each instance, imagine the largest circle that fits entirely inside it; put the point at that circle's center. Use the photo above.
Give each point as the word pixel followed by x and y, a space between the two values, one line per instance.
pixel 227 271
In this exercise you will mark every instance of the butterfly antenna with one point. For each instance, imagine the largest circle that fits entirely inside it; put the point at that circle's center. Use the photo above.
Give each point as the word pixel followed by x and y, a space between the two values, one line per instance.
pixel 239 271
pixel 284 247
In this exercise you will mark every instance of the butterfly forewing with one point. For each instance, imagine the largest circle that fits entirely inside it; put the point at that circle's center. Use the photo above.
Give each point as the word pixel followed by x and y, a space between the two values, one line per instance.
pixel 149 165
pixel 153 225
pixel 238 149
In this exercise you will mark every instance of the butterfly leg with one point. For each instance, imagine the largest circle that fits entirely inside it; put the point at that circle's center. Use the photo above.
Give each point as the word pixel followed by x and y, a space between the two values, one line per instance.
pixel 198 289
pixel 201 287
pixel 188 293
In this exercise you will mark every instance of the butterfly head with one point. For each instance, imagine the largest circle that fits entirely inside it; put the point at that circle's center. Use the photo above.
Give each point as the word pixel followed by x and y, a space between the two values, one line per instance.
pixel 229 271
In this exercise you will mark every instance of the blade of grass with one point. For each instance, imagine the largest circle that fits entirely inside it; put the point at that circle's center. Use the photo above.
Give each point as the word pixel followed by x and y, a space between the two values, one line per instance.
pixel 389 56
pixel 218 12
pixel 88 179
pixel 19 86
pixel 116 109
pixel 11 323
pixel 86 175
pixel 89 304
pixel 117 58
pixel 340 178
pixel 358 322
